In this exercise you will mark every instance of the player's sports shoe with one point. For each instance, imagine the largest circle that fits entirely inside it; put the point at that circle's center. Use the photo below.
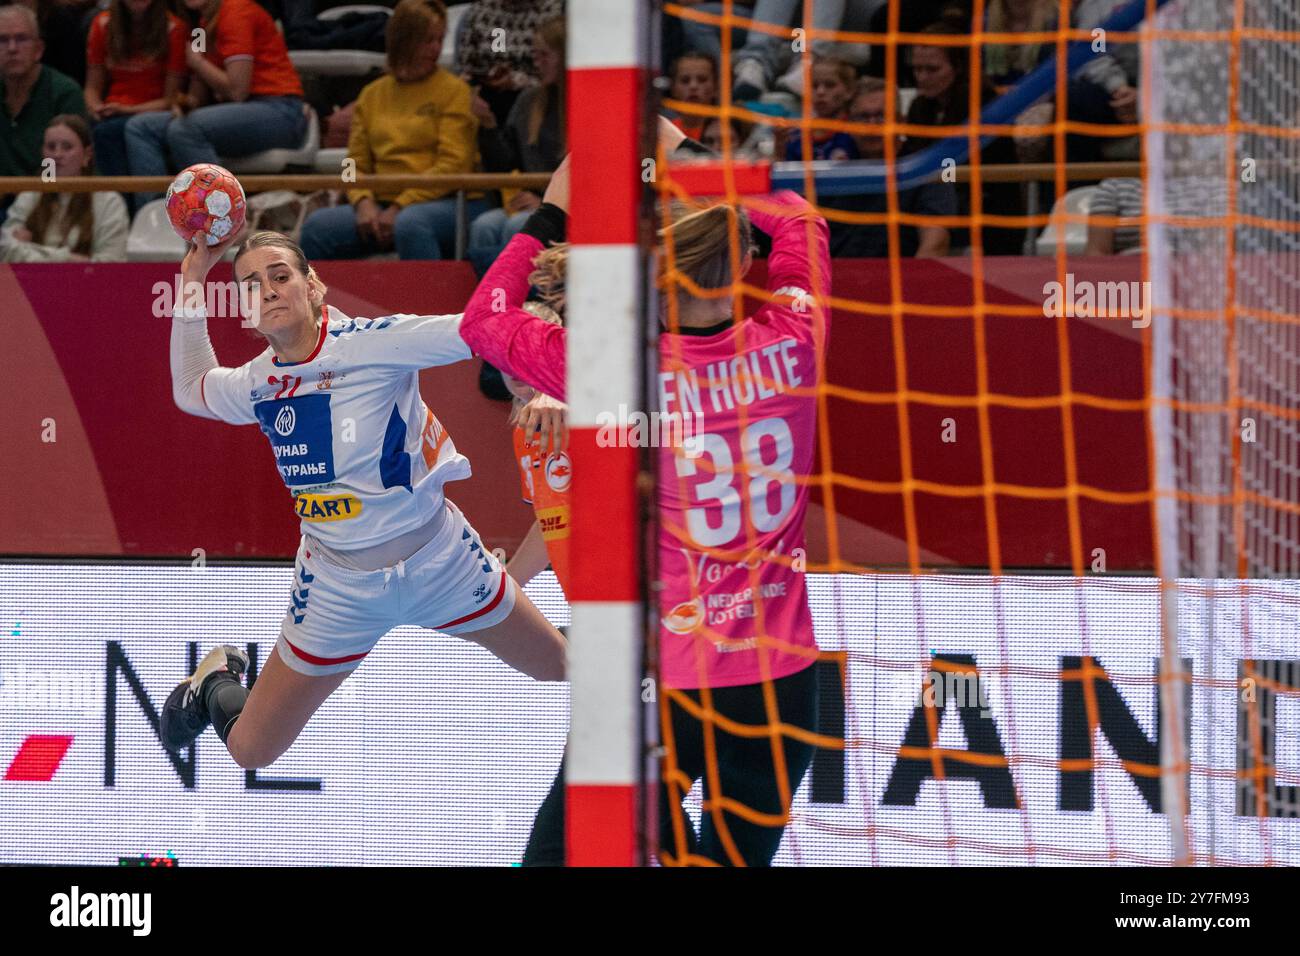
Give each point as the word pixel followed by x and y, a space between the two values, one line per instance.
pixel 185 715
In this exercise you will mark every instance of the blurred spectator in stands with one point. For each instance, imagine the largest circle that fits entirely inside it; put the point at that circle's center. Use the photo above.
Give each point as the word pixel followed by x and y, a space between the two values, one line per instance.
pixel 531 141
pixel 711 136
pixel 65 25
pixel 1103 92
pixel 1105 89
pixel 833 82
pixel 871 240
pixel 66 226
pixel 760 63
pixel 1005 63
pixel 354 30
pixel 913 17
pixel 694 77
pixel 494 48
pixel 135 64
pixel 415 119
pixel 33 93
pixel 682 35
pixel 1119 198
pixel 245 68
pixel 943 99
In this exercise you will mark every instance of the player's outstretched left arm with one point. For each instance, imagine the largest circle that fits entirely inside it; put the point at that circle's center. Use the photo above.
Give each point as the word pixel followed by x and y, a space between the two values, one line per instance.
pixel 404 341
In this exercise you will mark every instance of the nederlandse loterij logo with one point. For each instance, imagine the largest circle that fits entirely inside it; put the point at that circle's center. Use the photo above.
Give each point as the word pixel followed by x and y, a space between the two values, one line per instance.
pixel 103 909
pixel 1102 300
pixel 685 617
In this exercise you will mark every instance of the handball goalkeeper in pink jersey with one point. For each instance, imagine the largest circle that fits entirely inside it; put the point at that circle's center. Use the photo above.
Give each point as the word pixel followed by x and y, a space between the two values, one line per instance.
pixel 734 612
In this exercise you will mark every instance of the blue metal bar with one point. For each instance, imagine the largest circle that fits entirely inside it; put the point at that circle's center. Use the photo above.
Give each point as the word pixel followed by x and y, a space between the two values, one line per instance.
pixel 856 177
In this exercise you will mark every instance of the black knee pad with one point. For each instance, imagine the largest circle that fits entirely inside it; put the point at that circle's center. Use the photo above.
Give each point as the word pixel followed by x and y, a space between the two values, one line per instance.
pixel 224 697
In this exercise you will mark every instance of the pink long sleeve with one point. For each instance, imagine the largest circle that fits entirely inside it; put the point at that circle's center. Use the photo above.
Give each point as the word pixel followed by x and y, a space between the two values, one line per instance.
pixel 532 350
pixel 496 327
pixel 792 262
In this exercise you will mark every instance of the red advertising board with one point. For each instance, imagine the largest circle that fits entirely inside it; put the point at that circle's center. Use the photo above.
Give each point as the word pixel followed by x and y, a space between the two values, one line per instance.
pixel 97 459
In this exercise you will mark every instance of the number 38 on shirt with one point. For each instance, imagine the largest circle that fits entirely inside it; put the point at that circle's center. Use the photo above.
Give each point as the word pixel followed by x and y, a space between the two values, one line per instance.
pixel 764 485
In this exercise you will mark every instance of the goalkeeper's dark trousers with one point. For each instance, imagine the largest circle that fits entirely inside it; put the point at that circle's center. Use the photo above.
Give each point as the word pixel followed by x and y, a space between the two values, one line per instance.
pixel 746 774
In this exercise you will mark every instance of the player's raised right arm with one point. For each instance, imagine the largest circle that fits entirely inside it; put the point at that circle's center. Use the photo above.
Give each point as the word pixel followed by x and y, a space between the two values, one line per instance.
pixel 800 256
pixel 193 359
pixel 496 326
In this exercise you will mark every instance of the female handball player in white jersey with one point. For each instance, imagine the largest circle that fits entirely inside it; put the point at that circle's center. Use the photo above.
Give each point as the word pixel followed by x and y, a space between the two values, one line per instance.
pixel 751 383
pixel 365 461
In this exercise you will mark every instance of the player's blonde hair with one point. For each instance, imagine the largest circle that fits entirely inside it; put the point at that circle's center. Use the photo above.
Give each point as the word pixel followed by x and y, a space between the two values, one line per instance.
pixel 699 241
pixel 266 237
pixel 701 250
pixel 547 276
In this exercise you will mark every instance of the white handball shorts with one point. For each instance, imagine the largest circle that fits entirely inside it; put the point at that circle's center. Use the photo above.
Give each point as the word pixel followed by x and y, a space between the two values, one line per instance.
pixel 336 615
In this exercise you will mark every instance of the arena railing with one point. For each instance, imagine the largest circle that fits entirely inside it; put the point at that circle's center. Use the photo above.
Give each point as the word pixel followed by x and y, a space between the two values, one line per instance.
pixel 463 184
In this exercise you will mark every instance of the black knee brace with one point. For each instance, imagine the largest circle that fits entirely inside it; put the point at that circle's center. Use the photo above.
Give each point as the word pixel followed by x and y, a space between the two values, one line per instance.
pixel 224 697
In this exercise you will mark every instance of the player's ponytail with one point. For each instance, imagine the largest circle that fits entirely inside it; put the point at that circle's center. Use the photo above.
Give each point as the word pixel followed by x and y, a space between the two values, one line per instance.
pixel 700 240
pixel 701 250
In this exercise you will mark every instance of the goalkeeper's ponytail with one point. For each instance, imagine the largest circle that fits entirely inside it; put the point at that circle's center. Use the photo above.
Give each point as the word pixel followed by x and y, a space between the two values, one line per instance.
pixel 698 242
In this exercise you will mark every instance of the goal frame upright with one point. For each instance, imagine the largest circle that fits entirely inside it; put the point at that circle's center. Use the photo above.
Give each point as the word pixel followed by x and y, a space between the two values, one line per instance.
pixel 608 777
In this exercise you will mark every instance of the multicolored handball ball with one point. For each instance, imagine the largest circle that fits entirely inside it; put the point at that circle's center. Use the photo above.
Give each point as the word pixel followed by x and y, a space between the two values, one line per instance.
pixel 205 198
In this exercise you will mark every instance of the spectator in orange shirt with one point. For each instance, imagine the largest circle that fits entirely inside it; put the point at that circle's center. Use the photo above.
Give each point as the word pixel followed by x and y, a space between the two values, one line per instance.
pixel 245 68
pixel 135 62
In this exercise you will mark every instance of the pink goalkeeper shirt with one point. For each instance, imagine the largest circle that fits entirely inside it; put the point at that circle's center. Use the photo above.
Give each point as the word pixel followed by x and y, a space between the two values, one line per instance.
pixel 733 497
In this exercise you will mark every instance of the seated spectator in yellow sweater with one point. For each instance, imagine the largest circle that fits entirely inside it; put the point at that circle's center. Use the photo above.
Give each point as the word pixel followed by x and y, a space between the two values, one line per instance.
pixel 65 226
pixel 414 119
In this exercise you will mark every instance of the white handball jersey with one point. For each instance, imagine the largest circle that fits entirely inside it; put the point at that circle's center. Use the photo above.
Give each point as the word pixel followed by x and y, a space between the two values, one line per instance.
pixel 363 456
